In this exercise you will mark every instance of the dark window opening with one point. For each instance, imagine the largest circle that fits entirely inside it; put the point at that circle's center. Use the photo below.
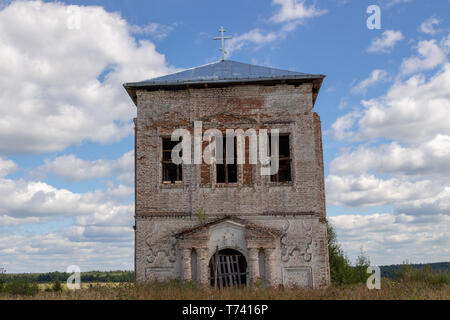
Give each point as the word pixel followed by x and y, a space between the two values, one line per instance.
pixel 171 173
pixel 284 171
pixel 227 173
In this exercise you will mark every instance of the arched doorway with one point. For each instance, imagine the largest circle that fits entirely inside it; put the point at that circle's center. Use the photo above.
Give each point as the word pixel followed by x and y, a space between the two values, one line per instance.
pixel 228 268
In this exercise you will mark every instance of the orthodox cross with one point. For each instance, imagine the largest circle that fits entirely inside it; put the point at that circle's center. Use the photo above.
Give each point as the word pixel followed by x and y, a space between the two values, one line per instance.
pixel 223 38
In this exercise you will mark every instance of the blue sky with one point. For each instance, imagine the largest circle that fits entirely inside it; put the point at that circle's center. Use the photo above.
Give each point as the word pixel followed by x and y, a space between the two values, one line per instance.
pixel 66 133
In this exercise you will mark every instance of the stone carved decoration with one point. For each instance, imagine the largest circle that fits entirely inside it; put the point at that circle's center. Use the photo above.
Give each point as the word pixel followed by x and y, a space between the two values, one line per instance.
pixel 167 246
pixel 296 238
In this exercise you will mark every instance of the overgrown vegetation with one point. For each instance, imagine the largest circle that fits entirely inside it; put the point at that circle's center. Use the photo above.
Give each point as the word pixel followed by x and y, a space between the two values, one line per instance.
pixel 426 274
pixel 19 288
pixel 341 269
pixel 176 290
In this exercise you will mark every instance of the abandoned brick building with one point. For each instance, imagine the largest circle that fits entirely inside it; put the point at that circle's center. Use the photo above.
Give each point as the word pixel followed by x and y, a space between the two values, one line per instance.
pixel 227 224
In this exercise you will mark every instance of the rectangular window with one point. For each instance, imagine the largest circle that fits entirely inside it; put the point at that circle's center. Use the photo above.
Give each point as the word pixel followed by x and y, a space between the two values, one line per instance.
pixel 284 172
pixel 227 172
pixel 171 173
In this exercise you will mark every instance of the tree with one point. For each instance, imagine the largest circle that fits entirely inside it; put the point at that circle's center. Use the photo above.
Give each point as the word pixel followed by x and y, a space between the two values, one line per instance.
pixel 341 270
pixel 362 263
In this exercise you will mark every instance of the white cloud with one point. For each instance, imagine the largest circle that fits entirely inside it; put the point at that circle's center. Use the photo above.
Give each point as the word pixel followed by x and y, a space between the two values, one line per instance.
pixel 436 204
pixel 386 42
pixel 367 190
pixel 60 86
pixel 99 237
pixel 431 56
pixel 428 26
pixel 73 168
pixel 341 128
pixel 291 14
pixel 421 160
pixel 252 37
pixel 295 10
pixel 91 249
pixel 376 76
pixel 413 110
pixel 21 198
pixel 391 239
pixel 7 167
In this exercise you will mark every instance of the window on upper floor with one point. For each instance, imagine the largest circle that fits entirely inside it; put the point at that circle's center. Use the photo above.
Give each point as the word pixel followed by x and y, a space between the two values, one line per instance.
pixel 284 172
pixel 227 172
pixel 171 173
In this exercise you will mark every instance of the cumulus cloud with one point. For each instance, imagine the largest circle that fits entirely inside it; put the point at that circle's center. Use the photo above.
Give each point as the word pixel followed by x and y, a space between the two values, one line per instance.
pixel 22 198
pixel 386 42
pixel 72 168
pixel 431 55
pixel 376 76
pixel 62 86
pixel 99 235
pixel 7 167
pixel 428 26
pixel 368 190
pixel 108 250
pixel 393 238
pixel 401 162
pixel 421 160
pixel 413 111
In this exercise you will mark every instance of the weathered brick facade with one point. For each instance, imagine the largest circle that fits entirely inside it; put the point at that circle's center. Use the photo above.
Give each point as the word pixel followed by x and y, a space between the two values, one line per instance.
pixel 279 227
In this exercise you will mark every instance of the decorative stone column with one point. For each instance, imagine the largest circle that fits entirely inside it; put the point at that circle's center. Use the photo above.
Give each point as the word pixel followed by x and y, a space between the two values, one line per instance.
pixel 271 265
pixel 253 260
pixel 203 266
pixel 186 265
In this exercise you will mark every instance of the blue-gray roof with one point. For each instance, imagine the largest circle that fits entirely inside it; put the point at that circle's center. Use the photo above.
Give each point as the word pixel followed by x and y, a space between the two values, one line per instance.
pixel 225 71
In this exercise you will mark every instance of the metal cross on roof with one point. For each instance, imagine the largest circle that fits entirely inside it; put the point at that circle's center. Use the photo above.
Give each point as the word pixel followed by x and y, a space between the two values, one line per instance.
pixel 223 38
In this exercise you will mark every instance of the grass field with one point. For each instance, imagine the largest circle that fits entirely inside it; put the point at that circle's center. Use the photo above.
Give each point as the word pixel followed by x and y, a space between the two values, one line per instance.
pixel 390 290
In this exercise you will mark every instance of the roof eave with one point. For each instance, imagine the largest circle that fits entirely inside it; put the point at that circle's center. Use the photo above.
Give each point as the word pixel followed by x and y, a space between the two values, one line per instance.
pixel 131 87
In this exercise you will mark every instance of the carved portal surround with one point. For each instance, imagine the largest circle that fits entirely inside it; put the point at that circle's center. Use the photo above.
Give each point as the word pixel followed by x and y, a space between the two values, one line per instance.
pixel 228 233
pixel 187 254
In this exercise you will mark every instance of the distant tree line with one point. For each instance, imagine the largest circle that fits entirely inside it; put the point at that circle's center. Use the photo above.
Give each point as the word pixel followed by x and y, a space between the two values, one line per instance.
pixel 91 276
pixel 395 271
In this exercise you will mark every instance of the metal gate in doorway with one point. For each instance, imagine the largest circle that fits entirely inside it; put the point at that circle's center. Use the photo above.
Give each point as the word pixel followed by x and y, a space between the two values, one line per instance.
pixel 228 268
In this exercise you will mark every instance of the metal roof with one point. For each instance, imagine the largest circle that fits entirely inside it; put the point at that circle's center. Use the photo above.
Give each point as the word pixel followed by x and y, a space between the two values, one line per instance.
pixel 225 71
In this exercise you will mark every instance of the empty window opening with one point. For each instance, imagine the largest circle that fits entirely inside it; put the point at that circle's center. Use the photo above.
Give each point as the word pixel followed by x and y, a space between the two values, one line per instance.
pixel 171 173
pixel 227 171
pixel 284 171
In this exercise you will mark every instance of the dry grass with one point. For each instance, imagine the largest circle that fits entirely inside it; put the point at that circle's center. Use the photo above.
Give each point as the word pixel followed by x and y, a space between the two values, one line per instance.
pixel 390 290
